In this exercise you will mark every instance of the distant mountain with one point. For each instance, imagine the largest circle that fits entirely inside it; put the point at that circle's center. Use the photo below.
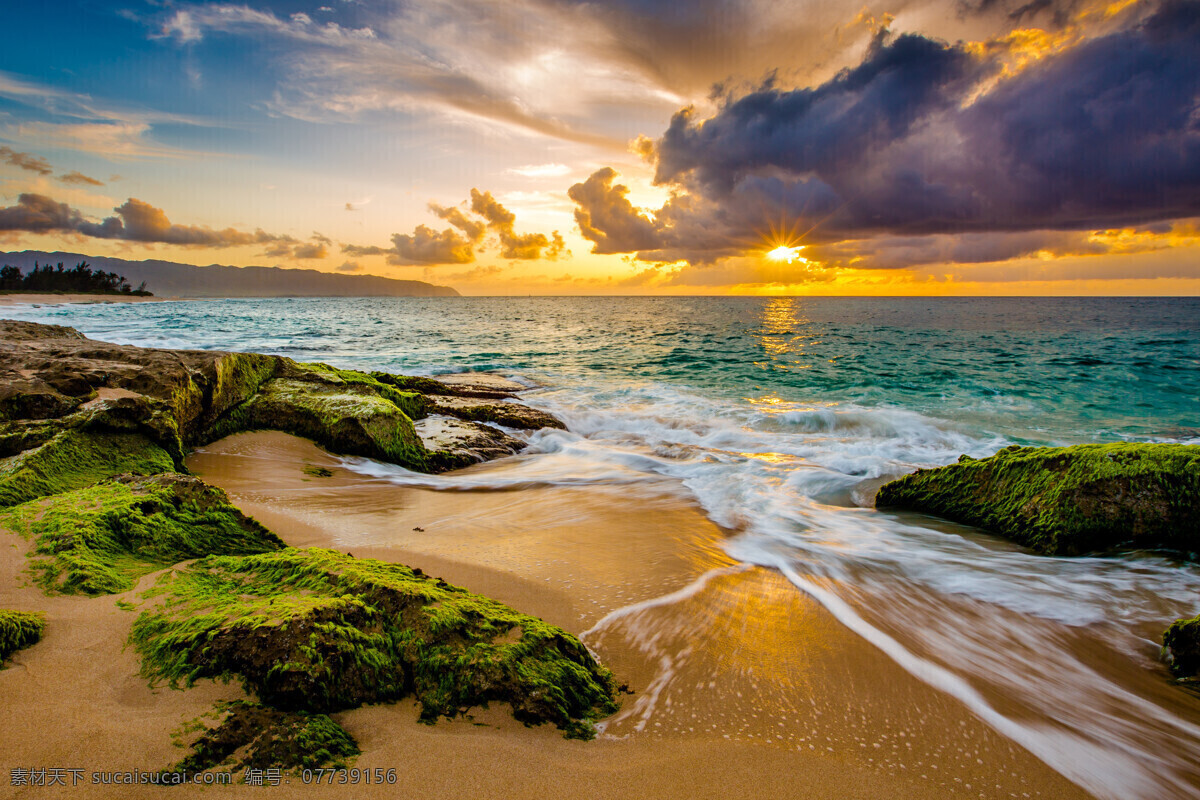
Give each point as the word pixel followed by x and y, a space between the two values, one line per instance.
pixel 169 279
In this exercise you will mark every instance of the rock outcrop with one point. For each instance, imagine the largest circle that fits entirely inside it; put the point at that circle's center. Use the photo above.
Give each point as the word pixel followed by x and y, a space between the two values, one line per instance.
pixel 1181 646
pixel 54 380
pixel 1074 500
pixel 315 630
pixel 1067 500
pixel 250 735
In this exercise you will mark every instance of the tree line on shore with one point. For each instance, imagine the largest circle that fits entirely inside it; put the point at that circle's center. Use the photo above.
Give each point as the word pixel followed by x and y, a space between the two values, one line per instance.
pixel 81 279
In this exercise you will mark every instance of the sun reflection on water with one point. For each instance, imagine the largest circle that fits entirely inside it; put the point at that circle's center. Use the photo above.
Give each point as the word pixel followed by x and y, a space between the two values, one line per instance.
pixel 785 334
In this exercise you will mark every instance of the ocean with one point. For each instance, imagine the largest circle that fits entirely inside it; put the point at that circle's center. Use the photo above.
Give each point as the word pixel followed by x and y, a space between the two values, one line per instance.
pixel 780 417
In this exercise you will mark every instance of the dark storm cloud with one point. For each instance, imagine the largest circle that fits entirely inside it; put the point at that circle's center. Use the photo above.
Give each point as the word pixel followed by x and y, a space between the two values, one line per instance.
pixel 607 218
pixel 925 138
pixel 832 128
pixel 135 221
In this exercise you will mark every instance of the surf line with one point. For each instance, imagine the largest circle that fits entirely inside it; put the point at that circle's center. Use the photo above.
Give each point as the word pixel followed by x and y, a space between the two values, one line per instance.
pixel 1098 770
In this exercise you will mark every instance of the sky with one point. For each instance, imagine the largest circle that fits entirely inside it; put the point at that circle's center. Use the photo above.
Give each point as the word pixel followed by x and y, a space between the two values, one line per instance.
pixel 761 147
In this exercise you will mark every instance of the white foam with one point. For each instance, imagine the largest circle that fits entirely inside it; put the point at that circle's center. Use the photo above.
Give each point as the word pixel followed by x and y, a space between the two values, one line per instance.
pixel 772 474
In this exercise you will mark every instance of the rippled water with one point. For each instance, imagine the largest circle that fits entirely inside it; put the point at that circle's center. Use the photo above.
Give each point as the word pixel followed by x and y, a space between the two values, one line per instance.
pixel 780 416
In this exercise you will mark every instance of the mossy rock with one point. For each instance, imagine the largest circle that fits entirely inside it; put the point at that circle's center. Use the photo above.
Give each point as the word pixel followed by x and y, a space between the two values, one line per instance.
pixel 320 631
pixel 346 418
pixel 411 383
pixel 1067 500
pixel 101 539
pixel 75 458
pixel 1181 646
pixel 249 735
pixel 235 378
pixel 412 403
pixel 435 388
pixel 19 629
pixel 21 435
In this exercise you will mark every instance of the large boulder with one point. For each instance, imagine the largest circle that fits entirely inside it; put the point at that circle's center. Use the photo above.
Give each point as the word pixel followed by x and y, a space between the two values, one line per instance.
pixel 320 631
pixel 349 419
pixel 1067 500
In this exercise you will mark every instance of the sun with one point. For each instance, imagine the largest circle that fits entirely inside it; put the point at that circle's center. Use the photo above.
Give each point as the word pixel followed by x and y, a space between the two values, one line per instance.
pixel 785 254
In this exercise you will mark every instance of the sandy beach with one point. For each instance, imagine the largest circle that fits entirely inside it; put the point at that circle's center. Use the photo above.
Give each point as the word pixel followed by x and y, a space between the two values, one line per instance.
pixel 61 299
pixel 739 684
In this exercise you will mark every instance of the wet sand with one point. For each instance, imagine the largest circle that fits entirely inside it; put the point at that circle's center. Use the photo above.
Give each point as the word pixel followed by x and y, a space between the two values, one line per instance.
pixel 741 685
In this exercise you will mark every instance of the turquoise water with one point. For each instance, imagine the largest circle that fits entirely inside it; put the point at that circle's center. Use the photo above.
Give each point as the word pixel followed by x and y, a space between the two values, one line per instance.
pixel 779 417
pixel 1037 370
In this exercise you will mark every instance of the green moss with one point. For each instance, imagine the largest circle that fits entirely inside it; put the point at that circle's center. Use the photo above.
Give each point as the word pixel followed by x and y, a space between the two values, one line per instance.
pixel 320 631
pixel 345 418
pixel 19 629
pixel 237 376
pixel 248 735
pixel 145 415
pixel 76 458
pixel 20 435
pixel 317 472
pixel 1181 645
pixel 412 403
pixel 410 383
pixel 1067 500
pixel 100 539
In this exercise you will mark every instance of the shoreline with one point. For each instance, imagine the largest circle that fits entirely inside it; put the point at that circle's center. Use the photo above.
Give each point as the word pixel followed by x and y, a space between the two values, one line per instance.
pixel 782 698
pixel 51 299
pixel 721 656
pixel 755 666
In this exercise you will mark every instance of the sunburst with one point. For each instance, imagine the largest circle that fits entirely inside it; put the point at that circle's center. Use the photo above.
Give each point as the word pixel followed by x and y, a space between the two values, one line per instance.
pixel 786 254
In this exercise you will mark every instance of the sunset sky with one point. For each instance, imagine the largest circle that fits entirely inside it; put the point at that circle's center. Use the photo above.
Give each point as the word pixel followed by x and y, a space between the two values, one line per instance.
pixel 625 147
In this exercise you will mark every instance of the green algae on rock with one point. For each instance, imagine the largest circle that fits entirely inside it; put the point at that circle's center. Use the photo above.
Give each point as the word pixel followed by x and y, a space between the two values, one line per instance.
pixel 320 631
pixel 412 403
pixel 1067 500
pixel 75 458
pixel 100 539
pixel 346 418
pixel 249 735
pixel 1181 646
pixel 19 629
